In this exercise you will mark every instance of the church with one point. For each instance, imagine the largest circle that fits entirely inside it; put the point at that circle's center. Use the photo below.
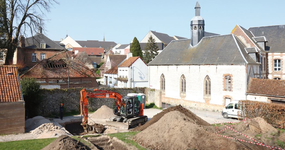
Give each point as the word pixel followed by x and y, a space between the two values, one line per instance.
pixel 205 71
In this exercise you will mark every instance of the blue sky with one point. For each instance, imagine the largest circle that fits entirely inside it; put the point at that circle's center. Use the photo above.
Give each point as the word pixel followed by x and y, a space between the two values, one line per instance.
pixel 122 20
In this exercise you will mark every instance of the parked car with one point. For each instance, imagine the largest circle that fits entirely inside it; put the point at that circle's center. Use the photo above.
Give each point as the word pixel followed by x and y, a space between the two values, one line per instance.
pixel 232 110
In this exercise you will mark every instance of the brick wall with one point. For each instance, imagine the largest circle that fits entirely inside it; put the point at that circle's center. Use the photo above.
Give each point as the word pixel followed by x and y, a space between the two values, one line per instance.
pixel 12 117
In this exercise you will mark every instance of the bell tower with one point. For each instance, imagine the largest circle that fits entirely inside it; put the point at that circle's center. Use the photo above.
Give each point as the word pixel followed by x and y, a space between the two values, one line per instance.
pixel 197 26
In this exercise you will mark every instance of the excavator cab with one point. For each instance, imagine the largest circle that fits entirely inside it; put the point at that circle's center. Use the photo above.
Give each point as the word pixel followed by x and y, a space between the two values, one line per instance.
pixel 131 107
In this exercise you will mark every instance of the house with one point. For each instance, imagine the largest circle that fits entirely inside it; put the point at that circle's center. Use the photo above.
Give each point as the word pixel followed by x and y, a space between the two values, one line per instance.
pixel 83 58
pixel 95 54
pixel 111 62
pixel 12 105
pixel 266 90
pixel 255 47
pixel 121 49
pixel 133 72
pixel 61 71
pixel 35 49
pixel 111 76
pixel 272 37
pixel 70 43
pixel 205 72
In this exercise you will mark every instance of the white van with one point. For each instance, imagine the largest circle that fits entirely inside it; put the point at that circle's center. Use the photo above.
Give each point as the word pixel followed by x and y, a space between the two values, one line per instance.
pixel 232 110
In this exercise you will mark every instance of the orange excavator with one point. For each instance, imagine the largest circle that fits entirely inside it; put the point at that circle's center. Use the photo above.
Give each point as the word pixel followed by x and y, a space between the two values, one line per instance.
pixel 128 110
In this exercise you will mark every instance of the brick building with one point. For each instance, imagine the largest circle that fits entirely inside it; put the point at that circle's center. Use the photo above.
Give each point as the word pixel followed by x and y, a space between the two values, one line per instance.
pixel 12 105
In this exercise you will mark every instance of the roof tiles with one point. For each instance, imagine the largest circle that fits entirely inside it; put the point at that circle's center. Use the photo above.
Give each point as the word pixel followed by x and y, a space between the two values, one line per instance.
pixel 10 90
pixel 129 62
pixel 268 87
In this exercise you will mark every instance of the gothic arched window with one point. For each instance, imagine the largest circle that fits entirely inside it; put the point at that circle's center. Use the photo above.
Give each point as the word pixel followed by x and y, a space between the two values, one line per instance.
pixel 182 84
pixel 207 87
pixel 162 83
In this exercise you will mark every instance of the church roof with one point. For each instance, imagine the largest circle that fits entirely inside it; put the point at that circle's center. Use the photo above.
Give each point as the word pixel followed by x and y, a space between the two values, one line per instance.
pixel 275 36
pixel 214 50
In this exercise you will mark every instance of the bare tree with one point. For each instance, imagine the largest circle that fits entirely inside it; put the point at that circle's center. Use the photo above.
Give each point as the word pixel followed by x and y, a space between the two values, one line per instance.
pixel 18 17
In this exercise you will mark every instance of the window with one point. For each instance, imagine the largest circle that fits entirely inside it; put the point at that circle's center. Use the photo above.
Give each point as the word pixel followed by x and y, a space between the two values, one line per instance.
pixel 207 86
pixel 182 84
pixel 228 83
pixel 277 78
pixel 43 45
pixel 162 83
pixel 277 65
pixel 34 57
pixel 43 55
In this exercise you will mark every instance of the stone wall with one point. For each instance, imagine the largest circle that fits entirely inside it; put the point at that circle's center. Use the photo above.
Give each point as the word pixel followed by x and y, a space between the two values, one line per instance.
pixel 51 100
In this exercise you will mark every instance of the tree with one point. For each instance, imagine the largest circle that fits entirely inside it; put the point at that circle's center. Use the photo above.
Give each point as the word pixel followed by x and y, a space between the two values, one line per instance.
pixel 136 48
pixel 19 16
pixel 31 94
pixel 150 50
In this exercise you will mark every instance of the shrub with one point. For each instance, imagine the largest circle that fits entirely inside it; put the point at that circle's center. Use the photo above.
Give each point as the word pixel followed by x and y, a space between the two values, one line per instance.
pixel 31 93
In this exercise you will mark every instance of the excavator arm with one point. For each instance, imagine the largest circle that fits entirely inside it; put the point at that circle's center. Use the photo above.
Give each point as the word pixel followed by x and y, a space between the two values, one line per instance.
pixel 84 95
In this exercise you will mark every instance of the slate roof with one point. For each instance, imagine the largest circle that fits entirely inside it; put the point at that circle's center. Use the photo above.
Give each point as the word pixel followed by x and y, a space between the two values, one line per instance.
pixel 90 50
pixel 206 34
pixel 267 87
pixel 163 37
pixel 129 62
pixel 159 45
pixel 34 42
pixel 10 89
pixel 275 36
pixel 214 50
pixel 123 46
pixel 251 37
pixel 107 45
pixel 59 66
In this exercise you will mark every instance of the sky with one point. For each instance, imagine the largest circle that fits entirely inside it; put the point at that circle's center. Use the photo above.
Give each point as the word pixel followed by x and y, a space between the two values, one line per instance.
pixel 122 20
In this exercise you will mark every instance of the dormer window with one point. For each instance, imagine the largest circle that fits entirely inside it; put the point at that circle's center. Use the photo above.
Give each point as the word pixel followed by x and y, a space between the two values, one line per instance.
pixel 43 45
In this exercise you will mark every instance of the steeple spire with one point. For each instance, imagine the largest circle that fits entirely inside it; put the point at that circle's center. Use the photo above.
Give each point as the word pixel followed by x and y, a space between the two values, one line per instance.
pixel 197 9
pixel 197 26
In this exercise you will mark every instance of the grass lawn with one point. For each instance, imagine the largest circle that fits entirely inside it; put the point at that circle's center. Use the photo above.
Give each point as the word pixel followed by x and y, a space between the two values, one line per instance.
pixel 36 144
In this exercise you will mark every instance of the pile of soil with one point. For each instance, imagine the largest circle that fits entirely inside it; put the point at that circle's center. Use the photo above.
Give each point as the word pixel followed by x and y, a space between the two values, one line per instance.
pixel 179 108
pixel 66 143
pixel 49 130
pixel 104 112
pixel 258 129
pixel 176 130
pixel 35 122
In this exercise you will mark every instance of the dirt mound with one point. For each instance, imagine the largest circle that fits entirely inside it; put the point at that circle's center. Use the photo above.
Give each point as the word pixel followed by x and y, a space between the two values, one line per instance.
pixel 175 130
pixel 35 122
pixel 48 130
pixel 255 126
pixel 179 108
pixel 104 112
pixel 66 143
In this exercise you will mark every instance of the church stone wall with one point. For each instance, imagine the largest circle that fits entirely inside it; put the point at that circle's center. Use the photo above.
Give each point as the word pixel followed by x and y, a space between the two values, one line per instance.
pixel 195 76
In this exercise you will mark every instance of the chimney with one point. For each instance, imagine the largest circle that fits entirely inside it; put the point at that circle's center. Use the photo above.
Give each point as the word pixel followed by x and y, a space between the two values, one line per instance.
pixel 40 30
pixel 22 41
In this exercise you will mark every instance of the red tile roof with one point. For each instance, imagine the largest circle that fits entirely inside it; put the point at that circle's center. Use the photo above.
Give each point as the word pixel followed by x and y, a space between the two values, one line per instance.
pixel 268 87
pixel 90 50
pixel 59 67
pixel 112 71
pixel 129 62
pixel 10 89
